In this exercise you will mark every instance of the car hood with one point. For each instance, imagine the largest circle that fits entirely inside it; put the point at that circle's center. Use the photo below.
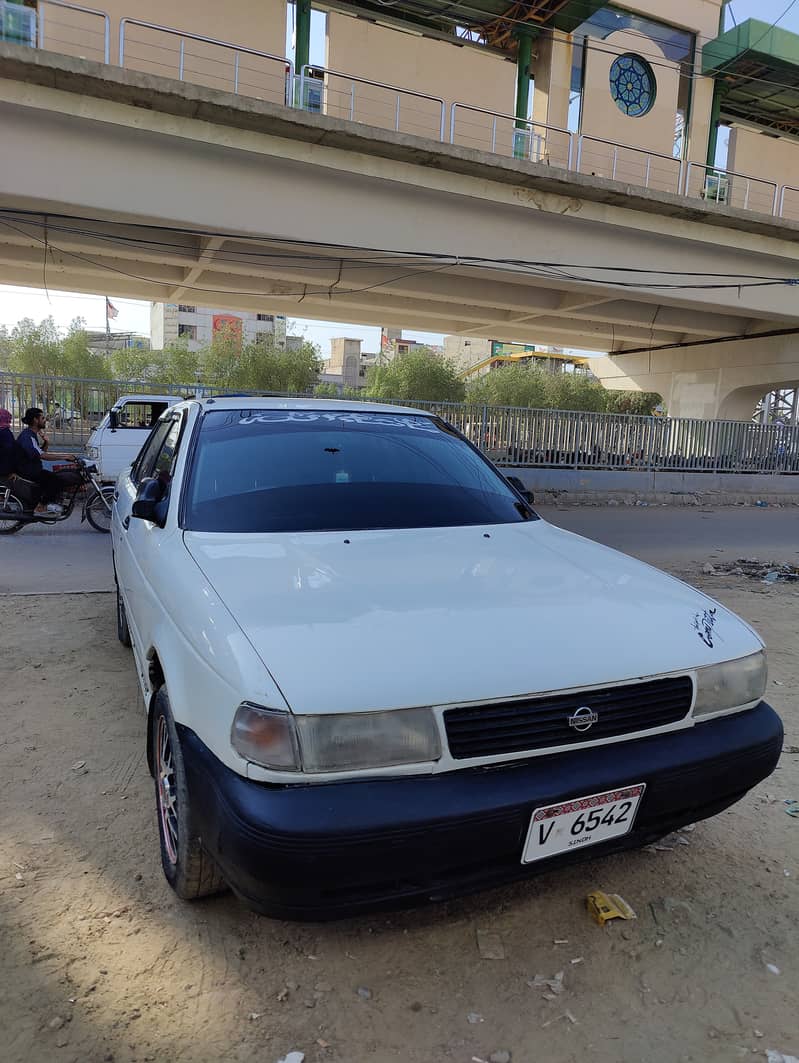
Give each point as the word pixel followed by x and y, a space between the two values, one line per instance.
pixel 370 620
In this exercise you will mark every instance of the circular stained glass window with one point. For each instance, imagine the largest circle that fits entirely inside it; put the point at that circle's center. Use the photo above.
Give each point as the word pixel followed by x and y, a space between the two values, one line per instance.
pixel 632 85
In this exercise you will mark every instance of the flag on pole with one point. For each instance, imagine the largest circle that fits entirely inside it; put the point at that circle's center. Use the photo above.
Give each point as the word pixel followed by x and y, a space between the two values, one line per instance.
pixel 110 310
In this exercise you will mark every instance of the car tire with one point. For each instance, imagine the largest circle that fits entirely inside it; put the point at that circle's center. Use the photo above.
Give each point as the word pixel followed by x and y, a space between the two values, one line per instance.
pixel 123 631
pixel 188 867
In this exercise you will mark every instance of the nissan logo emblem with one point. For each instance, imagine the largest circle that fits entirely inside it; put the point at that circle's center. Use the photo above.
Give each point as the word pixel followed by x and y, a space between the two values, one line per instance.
pixel 583 719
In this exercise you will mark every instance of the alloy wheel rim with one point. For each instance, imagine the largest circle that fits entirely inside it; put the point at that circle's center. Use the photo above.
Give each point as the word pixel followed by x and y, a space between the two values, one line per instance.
pixel 167 794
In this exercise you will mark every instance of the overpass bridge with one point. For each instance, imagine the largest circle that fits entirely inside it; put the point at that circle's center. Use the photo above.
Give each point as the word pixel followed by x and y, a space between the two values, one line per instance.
pixel 146 186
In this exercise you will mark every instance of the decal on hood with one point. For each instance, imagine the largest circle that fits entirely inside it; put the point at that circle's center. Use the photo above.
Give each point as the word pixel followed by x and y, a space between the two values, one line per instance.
pixel 704 624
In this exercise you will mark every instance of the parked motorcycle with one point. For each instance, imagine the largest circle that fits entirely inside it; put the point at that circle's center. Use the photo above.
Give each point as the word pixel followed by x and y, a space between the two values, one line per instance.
pixel 16 513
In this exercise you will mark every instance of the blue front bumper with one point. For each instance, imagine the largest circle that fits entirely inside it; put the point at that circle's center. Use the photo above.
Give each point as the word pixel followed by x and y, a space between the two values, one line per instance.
pixel 326 850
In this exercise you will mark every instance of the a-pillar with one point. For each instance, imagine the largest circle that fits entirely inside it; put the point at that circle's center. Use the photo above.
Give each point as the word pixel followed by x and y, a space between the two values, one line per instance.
pixel 724 379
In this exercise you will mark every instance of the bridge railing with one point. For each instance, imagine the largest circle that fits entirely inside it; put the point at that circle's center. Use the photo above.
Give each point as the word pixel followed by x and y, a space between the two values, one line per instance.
pixel 503 134
pixel 73 29
pixel 341 95
pixel 731 189
pixel 789 203
pixel 202 60
pixel 635 166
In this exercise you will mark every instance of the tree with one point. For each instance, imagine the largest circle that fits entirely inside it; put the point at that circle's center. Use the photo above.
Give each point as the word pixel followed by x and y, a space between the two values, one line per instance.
pixel 510 385
pixel 35 348
pixel 77 359
pixel 535 388
pixel 420 375
pixel 262 366
pixel 131 364
pixel 325 390
pixel 640 402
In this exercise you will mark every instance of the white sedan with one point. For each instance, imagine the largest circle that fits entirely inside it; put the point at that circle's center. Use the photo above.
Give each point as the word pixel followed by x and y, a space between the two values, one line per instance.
pixel 373 674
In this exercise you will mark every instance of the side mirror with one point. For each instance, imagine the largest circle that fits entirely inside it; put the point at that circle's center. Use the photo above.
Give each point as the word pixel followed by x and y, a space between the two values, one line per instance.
pixel 150 503
pixel 113 420
pixel 514 481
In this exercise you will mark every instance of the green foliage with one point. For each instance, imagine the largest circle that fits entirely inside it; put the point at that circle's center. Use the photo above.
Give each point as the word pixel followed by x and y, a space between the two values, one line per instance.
pixel 79 361
pixel 640 402
pixel 230 365
pixel 32 348
pixel 325 390
pixel 510 385
pixel 418 375
pixel 35 348
pixel 536 388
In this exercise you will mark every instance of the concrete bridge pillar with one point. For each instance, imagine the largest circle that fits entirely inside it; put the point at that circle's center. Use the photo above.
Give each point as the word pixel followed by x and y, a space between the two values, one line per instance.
pixel 723 379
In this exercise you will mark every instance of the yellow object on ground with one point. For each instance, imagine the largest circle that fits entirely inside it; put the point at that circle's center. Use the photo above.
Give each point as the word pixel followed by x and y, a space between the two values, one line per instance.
pixel 605 906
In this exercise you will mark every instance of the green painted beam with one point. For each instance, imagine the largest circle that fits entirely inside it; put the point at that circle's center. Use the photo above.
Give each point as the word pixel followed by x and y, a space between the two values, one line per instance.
pixel 575 13
pixel 751 40
pixel 302 39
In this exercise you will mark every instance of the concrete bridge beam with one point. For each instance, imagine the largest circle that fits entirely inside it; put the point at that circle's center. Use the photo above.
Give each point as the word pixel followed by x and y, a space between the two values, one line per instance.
pixel 710 380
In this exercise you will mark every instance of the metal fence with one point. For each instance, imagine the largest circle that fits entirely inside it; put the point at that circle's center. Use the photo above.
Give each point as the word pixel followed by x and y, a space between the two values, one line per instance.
pixel 74 406
pixel 508 435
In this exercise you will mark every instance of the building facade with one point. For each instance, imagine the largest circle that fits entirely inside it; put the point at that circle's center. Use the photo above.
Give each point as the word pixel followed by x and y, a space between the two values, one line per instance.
pixel 198 325
pixel 348 364
pixel 475 357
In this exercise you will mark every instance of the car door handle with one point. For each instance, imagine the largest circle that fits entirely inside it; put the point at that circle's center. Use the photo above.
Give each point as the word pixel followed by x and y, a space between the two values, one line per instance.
pixel 126 523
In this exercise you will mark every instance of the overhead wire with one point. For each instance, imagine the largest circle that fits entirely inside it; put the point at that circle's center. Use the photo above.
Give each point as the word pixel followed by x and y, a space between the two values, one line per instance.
pixel 444 261
pixel 392 257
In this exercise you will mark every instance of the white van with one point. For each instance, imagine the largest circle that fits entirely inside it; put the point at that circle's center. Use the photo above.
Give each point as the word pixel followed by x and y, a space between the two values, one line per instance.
pixel 119 437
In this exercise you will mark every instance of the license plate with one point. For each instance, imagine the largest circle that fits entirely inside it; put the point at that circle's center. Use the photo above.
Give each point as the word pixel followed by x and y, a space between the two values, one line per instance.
pixel 581 821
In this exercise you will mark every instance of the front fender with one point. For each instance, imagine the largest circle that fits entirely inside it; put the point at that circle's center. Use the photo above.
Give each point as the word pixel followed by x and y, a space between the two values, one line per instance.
pixel 208 666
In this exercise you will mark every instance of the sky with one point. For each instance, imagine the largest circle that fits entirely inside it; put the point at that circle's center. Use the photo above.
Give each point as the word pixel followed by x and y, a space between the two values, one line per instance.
pixel 134 315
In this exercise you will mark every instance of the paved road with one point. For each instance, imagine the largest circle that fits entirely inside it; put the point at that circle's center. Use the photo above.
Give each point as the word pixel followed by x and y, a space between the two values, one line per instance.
pixel 661 535
pixel 74 557
pixel 43 559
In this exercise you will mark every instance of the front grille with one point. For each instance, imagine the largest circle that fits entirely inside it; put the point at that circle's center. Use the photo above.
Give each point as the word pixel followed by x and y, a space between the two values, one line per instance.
pixel 538 723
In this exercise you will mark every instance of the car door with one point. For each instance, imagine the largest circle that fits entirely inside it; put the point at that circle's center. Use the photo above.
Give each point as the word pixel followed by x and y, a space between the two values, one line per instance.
pixel 127 533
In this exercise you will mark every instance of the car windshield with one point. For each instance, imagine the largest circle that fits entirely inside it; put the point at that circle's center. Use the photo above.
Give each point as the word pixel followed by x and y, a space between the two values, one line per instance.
pixel 327 470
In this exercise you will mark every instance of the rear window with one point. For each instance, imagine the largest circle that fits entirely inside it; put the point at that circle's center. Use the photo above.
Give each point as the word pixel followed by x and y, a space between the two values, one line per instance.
pixel 298 470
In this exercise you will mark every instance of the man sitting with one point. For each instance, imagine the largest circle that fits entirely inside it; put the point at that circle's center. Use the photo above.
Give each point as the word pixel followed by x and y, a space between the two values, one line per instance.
pixel 6 445
pixel 29 451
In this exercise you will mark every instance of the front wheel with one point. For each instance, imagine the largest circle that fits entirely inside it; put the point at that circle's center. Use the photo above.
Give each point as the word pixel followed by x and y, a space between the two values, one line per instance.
pixel 98 509
pixel 10 506
pixel 189 869
pixel 123 631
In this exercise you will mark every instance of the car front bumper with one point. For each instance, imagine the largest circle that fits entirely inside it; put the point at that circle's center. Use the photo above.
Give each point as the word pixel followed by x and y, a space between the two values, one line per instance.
pixel 327 850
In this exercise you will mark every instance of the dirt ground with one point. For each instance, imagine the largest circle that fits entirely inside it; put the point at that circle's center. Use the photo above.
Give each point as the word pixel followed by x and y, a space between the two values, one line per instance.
pixel 100 962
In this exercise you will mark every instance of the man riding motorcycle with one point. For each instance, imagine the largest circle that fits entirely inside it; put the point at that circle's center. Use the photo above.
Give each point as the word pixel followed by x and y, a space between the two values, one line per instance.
pixel 30 448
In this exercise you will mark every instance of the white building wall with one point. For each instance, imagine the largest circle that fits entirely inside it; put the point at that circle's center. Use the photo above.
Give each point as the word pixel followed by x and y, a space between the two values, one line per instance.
pixel 170 322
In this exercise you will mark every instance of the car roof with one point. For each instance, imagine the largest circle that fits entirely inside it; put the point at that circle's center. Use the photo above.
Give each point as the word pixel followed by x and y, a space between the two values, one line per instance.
pixel 257 402
pixel 147 397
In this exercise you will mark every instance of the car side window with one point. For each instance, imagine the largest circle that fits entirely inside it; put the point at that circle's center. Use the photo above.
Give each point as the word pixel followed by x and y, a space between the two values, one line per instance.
pixel 165 459
pixel 145 463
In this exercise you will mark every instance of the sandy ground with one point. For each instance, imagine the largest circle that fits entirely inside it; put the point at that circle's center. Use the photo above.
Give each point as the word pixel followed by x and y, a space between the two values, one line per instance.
pixel 100 962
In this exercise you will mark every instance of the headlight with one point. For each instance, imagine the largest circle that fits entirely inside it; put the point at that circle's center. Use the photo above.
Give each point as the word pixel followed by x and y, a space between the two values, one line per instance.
pixel 727 686
pixel 93 453
pixel 368 740
pixel 266 737
pixel 343 742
